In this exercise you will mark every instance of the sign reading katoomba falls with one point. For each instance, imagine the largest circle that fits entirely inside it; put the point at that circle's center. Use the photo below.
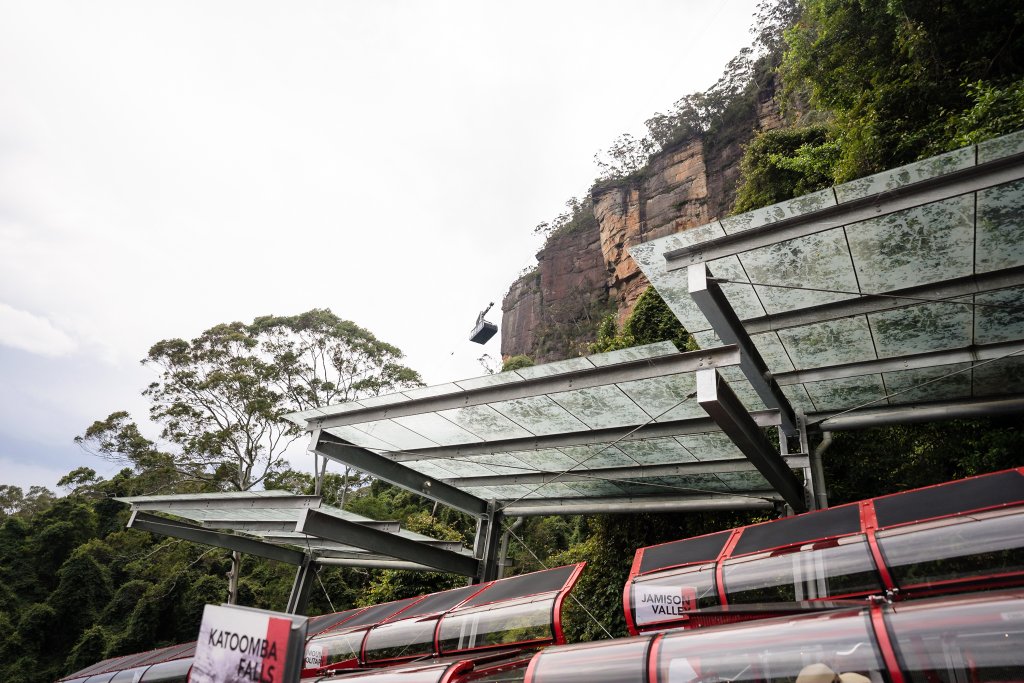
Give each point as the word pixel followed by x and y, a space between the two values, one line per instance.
pixel 243 645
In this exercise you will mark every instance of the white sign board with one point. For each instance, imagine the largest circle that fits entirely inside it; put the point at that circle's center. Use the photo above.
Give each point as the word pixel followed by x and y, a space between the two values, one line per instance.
pixel 241 646
pixel 662 603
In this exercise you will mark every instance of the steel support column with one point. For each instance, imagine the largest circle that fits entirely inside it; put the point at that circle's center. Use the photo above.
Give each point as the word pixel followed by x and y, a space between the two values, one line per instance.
pixel 299 597
pixel 488 541
pixel 716 397
pixel 708 296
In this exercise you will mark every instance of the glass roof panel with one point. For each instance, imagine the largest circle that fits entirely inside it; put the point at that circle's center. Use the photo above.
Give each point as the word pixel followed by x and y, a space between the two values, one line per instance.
pixel 633 353
pixel 545 459
pixel 998 148
pixel 781 211
pixel 665 398
pixel 904 175
pixel 596 488
pixel 773 351
pixel 441 430
pixel 930 243
pixel 922 328
pixel 710 446
pixel 832 342
pixel 692 484
pixel 498 463
pixel 787 263
pixel 597 457
pixel 360 438
pixel 601 407
pixel 846 392
pixel 1004 376
pixel 949 387
pixel 539 414
pixel 392 432
pixel 485 423
pixel 742 297
pixel 1000 215
pixel 745 481
pixel 656 451
pixel 556 368
pixel 1001 318
pixel 437 468
pixel 494 380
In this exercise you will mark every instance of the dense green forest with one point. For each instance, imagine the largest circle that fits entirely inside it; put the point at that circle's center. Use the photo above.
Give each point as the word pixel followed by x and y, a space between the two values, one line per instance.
pixel 863 86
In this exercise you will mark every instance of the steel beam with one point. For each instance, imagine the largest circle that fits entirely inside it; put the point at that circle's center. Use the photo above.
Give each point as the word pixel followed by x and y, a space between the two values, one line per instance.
pixel 299 597
pixel 399 475
pixel 489 537
pixel 717 398
pixel 931 412
pixel 917 361
pixel 373 564
pixel 715 306
pixel 190 532
pixel 588 506
pixel 645 368
pixel 587 437
pixel 259 526
pixel 301 539
pixel 623 473
pixel 219 501
pixel 899 298
pixel 972 179
pixel 342 531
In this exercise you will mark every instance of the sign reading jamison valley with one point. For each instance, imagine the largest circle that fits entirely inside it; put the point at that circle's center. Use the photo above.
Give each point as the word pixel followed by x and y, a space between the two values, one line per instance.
pixel 242 646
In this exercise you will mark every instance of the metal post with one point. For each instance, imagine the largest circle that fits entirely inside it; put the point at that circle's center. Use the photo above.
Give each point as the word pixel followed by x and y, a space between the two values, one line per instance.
pixel 503 547
pixel 488 539
pixel 299 597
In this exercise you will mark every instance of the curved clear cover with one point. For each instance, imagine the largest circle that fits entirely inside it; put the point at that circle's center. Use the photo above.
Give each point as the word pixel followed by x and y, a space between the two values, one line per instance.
pixel 504 623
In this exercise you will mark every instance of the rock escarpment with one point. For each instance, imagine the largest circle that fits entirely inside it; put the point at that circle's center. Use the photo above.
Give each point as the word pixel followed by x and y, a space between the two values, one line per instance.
pixel 581 276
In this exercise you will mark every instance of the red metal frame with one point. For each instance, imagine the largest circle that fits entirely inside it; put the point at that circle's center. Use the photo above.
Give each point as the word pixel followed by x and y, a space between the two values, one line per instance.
pixel 570 583
pixel 885 643
pixel 652 658
pixel 456 669
pixel 868 529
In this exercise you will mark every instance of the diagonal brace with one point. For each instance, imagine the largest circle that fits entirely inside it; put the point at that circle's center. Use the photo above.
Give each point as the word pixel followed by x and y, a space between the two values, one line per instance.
pixel 711 300
pixel 189 532
pixel 329 527
pixel 717 398
pixel 397 474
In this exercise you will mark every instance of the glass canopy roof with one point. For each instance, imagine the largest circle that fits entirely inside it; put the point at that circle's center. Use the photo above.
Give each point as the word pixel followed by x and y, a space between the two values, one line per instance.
pixel 612 426
pixel 900 288
pixel 271 517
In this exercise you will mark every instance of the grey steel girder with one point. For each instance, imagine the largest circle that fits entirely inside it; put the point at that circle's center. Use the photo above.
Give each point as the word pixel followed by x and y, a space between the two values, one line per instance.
pixel 717 398
pixel 646 368
pixel 579 506
pixel 931 412
pixel 715 306
pixel 258 526
pixel 1005 170
pixel 624 473
pixel 398 474
pixel 973 354
pixel 373 564
pixel 342 531
pixel 947 292
pixel 189 532
pixel 214 501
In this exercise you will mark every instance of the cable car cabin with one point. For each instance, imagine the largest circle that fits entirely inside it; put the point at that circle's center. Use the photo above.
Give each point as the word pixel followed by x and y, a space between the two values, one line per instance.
pixel 483 330
pixel 507 614
pixel 487 629
pixel 954 537
pixel 963 639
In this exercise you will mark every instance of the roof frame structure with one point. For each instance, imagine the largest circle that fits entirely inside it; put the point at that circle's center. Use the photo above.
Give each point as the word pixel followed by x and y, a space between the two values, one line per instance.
pixel 645 368
pixel 980 176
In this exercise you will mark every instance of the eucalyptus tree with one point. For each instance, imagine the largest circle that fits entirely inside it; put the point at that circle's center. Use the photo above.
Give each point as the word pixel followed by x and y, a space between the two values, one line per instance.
pixel 220 398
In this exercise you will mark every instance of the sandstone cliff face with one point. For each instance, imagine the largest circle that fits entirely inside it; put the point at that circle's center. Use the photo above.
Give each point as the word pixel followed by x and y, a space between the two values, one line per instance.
pixel 552 313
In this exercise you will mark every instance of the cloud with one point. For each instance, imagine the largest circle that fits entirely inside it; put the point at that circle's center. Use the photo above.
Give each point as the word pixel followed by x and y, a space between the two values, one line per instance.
pixel 32 333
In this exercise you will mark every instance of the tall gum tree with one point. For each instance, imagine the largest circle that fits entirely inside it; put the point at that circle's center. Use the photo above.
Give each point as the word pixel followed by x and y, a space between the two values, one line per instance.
pixel 219 398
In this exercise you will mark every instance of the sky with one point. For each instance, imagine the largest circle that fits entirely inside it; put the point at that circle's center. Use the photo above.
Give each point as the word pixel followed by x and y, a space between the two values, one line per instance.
pixel 165 167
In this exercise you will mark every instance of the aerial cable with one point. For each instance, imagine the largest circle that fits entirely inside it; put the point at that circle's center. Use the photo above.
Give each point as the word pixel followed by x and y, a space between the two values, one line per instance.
pixel 508 529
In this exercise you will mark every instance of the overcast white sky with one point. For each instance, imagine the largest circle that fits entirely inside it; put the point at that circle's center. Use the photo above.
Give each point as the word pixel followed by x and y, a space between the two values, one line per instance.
pixel 168 166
